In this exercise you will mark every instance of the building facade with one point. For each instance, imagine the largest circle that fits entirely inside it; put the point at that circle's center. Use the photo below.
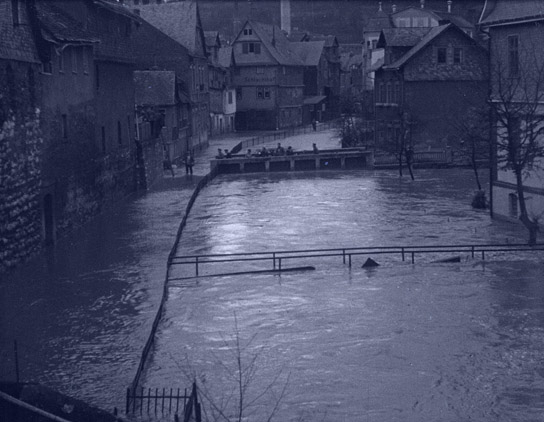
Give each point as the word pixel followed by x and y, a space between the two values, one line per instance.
pixel 269 79
pixel 181 22
pixel 517 62
pixel 430 86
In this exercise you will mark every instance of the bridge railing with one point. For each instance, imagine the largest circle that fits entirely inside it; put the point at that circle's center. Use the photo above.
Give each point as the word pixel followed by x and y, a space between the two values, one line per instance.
pixel 277 259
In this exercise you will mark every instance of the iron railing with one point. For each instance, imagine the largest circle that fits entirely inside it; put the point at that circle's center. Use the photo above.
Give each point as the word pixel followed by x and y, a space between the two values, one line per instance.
pixel 278 258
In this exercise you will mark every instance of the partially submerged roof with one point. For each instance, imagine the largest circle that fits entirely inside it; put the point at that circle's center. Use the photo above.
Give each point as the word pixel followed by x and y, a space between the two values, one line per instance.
pixel 504 12
pixel 58 27
pixel 155 87
pixel 309 51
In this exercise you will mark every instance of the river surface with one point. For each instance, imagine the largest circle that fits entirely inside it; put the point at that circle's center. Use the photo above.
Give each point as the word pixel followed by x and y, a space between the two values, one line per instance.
pixel 401 342
pixel 82 312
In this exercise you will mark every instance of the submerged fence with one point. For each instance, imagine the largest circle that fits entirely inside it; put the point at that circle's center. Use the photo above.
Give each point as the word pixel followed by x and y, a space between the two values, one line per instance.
pixel 275 260
pixel 150 340
pixel 164 401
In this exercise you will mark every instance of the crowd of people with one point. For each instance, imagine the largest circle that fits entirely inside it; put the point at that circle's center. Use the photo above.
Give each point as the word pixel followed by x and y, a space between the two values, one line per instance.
pixel 264 152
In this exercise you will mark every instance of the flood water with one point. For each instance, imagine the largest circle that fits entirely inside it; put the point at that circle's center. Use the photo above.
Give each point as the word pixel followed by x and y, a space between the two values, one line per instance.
pixel 401 342
pixel 82 312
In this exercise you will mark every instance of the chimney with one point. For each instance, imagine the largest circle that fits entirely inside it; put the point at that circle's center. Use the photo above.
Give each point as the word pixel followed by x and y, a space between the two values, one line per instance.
pixel 380 6
pixel 285 12
pixel 394 8
pixel 422 3
pixel 449 6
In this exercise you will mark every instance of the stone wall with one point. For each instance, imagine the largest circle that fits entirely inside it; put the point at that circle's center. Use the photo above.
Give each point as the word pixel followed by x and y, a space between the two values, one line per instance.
pixel 20 159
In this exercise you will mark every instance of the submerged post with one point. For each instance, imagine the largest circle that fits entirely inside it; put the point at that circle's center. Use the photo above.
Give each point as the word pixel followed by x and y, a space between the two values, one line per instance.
pixel 196 265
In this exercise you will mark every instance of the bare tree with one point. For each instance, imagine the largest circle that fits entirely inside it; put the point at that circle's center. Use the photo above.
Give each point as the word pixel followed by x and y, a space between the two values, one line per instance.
pixel 517 101
pixel 240 398
pixel 471 145
pixel 400 144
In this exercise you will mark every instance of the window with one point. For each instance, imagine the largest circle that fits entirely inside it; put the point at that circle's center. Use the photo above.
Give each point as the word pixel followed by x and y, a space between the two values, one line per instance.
pixel 15 12
pixel 381 93
pixel 513 55
pixel 441 55
pixel 61 62
pixel 397 98
pixel 374 44
pixel 75 53
pixel 103 139
pixel 248 31
pixel 263 93
pixel 85 61
pixel 457 55
pixel 119 133
pixel 64 126
pixel 251 47
pixel 403 22
pixel 128 126
pixel 420 22
pixel 230 97
pixel 513 205
pixel 47 67
pixel 389 93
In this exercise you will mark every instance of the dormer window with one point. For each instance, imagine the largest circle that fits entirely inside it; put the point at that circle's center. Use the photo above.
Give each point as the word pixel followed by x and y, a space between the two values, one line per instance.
pixel 251 47
pixel 248 31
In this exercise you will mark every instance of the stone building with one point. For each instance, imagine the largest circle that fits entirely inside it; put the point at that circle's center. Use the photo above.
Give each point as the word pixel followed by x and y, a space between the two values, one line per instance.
pixel 20 138
pixel 268 78
pixel 181 22
pixel 430 84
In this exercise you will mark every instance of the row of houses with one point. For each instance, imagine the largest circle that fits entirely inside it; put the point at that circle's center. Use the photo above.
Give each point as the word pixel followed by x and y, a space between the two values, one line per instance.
pixel 114 90
pixel 431 73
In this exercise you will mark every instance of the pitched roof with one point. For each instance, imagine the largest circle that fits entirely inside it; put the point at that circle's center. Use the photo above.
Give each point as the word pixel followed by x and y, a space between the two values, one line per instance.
pixel 297 36
pixel 457 20
pixel 503 12
pixel 425 41
pixel 16 43
pixel 277 44
pixel 309 51
pixel 155 87
pixel 402 37
pixel 431 35
pixel 58 27
pixel 178 20
pixel 379 21
pixel 115 7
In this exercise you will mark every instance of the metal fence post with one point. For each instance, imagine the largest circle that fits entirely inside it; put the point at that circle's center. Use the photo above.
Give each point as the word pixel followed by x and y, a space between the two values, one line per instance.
pixel 274 260
pixel 412 257
pixel 196 266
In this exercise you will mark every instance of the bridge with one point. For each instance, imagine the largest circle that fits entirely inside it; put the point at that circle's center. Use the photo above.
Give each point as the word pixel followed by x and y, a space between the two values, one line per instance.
pixel 345 158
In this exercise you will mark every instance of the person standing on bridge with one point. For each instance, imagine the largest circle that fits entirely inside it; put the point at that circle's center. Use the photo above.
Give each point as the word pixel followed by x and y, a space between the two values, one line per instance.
pixel 314 147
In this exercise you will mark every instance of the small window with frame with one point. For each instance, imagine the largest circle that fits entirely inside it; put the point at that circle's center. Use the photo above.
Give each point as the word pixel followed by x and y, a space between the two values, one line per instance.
pixel 441 55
